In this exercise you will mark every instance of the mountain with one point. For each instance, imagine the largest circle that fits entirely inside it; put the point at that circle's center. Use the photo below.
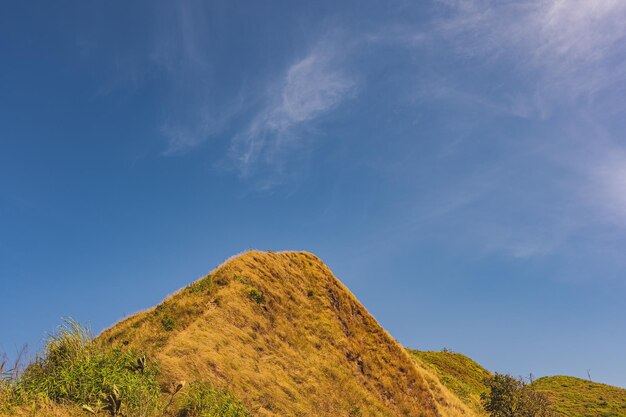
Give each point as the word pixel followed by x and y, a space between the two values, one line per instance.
pixel 264 334
pixel 281 333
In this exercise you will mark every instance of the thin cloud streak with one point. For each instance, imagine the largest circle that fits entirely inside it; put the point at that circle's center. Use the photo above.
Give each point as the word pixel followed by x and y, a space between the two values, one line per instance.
pixel 311 87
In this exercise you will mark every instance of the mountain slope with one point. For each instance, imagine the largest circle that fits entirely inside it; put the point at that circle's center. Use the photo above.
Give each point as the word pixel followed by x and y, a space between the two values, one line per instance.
pixel 460 374
pixel 574 397
pixel 286 337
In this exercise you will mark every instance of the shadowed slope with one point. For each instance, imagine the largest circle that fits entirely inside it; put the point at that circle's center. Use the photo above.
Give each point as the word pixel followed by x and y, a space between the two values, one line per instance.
pixel 284 335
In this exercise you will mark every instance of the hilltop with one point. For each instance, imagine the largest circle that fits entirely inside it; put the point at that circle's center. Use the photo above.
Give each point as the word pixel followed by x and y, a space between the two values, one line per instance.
pixel 575 397
pixel 287 338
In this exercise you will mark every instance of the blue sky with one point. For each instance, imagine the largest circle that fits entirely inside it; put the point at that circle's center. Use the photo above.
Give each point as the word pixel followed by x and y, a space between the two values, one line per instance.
pixel 460 165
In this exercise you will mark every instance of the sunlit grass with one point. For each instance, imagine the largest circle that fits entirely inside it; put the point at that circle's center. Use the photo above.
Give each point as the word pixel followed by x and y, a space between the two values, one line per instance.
pixel 82 376
pixel 574 397
pixel 201 399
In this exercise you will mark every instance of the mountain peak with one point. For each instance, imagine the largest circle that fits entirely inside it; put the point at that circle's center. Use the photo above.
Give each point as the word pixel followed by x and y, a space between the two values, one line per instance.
pixel 288 338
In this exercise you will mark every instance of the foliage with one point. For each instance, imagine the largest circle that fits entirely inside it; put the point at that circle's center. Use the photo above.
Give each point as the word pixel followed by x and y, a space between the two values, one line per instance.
pixel 168 323
pixel 7 378
pixel 205 285
pixel 201 399
pixel 77 372
pixel 511 397
pixel 574 397
pixel 74 369
pixel 355 411
pixel 257 296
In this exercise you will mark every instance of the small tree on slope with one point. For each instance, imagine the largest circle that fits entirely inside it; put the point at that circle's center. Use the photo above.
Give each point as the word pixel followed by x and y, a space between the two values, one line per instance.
pixel 511 397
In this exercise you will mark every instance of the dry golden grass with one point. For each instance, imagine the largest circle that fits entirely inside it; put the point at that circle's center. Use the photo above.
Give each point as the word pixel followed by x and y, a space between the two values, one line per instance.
pixel 45 408
pixel 280 332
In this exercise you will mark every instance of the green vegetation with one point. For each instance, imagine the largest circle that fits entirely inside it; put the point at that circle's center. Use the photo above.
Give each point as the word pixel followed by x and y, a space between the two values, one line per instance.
pixel 511 397
pixel 80 375
pixel 204 285
pixel 257 296
pixel 355 411
pixel 74 369
pixel 458 373
pixel 574 397
pixel 569 397
pixel 201 399
pixel 168 323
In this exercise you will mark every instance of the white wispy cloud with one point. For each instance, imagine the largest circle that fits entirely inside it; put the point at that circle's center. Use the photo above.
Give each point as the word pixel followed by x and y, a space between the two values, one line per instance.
pixel 569 50
pixel 556 61
pixel 200 107
pixel 310 88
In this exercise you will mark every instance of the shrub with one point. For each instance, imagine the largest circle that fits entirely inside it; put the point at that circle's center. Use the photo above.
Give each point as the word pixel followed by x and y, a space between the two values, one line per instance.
pixel 257 296
pixel 205 285
pixel 511 397
pixel 355 411
pixel 76 371
pixel 73 368
pixel 168 323
pixel 201 399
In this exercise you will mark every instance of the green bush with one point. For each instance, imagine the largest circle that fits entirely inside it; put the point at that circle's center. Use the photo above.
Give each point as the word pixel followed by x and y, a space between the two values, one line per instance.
pixel 257 296
pixel 355 411
pixel 168 323
pixel 201 399
pixel 205 285
pixel 511 397
pixel 73 368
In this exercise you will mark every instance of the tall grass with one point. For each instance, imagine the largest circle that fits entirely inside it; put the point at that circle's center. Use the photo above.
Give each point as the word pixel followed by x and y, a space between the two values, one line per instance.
pixel 9 374
pixel 75 371
pixel 201 399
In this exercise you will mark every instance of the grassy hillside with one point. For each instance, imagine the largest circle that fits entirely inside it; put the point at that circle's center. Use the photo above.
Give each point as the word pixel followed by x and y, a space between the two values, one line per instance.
pixel 458 373
pixel 574 397
pixel 287 338
pixel 570 397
